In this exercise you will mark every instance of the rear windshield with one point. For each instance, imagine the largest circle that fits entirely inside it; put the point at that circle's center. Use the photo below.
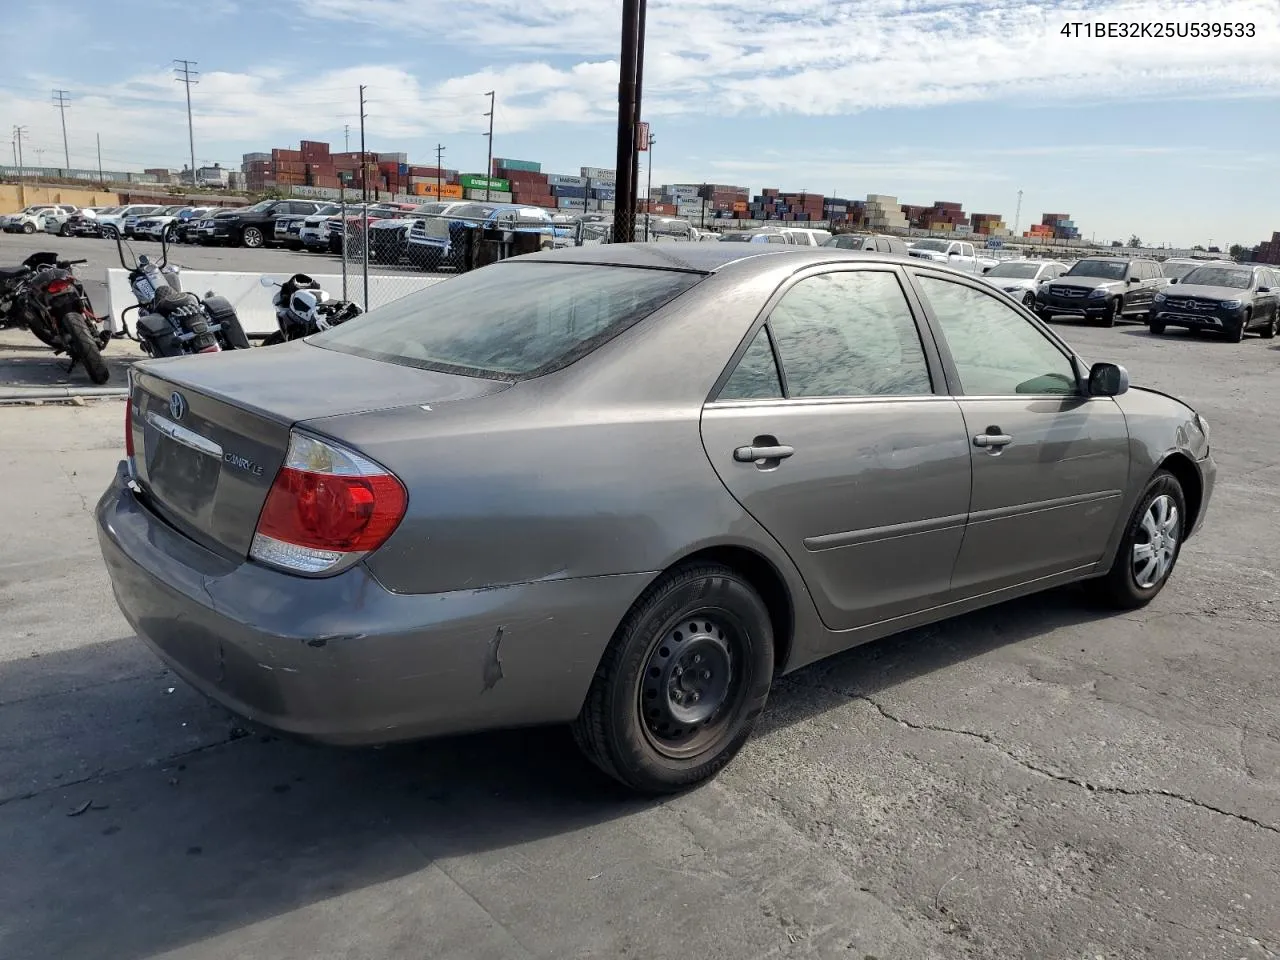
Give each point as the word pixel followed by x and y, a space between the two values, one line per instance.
pixel 509 321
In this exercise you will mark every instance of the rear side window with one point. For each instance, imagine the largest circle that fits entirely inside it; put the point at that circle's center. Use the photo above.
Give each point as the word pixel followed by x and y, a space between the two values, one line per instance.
pixel 849 334
pixel 756 376
pixel 509 321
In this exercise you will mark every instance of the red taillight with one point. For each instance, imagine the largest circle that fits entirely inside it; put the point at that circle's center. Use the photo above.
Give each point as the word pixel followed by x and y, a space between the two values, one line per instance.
pixel 58 286
pixel 128 427
pixel 213 348
pixel 326 504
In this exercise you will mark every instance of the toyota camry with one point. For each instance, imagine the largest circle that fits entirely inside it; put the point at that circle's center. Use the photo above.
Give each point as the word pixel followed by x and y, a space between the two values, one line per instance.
pixel 625 487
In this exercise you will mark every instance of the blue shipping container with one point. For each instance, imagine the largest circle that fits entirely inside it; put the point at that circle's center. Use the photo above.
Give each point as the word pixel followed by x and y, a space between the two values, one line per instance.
pixel 604 193
pixel 575 192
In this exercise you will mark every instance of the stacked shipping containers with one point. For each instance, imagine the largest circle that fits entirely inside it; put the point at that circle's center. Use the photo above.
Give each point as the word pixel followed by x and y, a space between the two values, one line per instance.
pixel 527 181
pixel 884 213
pixel 989 225
pixel 1269 250
pixel 1061 226
pixel 947 217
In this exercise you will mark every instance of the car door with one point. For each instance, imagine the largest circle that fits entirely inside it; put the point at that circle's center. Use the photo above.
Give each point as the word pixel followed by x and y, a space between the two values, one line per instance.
pixel 1050 463
pixel 828 430
pixel 1270 301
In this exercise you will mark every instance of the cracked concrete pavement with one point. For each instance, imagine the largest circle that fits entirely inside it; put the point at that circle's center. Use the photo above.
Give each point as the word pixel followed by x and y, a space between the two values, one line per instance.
pixel 1035 780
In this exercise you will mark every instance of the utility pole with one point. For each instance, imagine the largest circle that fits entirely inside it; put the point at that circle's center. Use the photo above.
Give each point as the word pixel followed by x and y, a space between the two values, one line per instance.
pixel 364 160
pixel 624 214
pixel 17 136
pixel 488 170
pixel 346 137
pixel 61 100
pixel 1017 216
pixel 185 73
pixel 439 171
pixel 635 156
pixel 101 178
pixel 648 190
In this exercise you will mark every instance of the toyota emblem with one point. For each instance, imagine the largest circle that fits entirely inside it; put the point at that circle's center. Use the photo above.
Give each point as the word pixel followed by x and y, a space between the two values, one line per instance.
pixel 177 405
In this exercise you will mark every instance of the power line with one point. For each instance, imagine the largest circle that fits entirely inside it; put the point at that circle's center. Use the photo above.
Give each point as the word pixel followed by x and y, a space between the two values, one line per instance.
pixel 61 99
pixel 186 73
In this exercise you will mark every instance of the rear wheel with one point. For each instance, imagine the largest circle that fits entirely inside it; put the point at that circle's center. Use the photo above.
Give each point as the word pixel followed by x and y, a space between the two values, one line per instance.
pixel 1150 547
pixel 85 348
pixel 682 682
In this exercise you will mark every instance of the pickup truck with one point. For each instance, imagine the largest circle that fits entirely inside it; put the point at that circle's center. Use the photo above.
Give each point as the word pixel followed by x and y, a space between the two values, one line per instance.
pixel 959 254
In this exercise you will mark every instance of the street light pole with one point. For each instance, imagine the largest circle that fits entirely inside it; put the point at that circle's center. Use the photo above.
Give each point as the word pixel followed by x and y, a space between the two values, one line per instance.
pixel 648 190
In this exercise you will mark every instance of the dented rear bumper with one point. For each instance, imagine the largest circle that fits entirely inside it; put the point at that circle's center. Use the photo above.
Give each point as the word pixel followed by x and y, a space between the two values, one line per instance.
pixel 343 660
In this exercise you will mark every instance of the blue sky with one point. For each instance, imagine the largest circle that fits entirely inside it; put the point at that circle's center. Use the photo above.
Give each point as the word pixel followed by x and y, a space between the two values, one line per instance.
pixel 1175 140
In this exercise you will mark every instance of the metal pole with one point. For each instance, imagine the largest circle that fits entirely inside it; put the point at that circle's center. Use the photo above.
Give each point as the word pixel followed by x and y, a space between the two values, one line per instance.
pixel 439 171
pixel 624 214
pixel 187 74
pixel 60 98
pixel 635 155
pixel 343 215
pixel 364 207
pixel 488 170
pixel 18 132
pixel 648 190
pixel 101 178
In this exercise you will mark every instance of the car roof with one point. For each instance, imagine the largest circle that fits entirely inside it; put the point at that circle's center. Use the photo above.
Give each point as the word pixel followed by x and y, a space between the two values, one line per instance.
pixel 711 257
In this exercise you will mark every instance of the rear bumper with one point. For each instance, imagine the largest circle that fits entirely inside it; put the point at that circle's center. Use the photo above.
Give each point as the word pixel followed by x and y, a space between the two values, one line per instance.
pixel 342 660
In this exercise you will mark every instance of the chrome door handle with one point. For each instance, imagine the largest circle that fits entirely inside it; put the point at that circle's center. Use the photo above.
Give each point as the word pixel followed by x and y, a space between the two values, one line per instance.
pixel 992 440
pixel 752 454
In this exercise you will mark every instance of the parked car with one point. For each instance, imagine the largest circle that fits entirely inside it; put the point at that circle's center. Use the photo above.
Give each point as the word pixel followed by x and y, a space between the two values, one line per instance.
pixel 165 220
pixel 1105 289
pixel 1022 278
pixel 85 223
pixel 805 236
pixel 868 242
pixel 960 254
pixel 475 532
pixel 287 231
pixel 252 226
pixel 56 219
pixel 429 241
pixel 111 225
pixel 1231 299
pixel 776 237
pixel 186 226
pixel 1175 268
pixel 30 219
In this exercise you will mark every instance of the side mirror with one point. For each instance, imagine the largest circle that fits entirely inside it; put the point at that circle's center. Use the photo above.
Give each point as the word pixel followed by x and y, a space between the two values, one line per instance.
pixel 266 282
pixel 1133 279
pixel 1173 279
pixel 1108 380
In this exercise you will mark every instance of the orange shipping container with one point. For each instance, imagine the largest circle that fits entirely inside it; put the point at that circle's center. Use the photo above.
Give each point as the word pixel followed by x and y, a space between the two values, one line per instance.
pixel 446 191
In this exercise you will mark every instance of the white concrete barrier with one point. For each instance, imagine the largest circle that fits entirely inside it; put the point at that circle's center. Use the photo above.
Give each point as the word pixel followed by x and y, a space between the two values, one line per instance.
pixel 253 301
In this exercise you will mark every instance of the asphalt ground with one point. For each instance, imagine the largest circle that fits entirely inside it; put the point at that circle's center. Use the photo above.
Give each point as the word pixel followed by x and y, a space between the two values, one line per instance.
pixel 1037 780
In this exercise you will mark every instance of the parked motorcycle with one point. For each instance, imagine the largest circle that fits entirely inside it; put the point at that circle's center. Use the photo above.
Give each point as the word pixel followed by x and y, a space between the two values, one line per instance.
pixel 44 296
pixel 302 308
pixel 172 322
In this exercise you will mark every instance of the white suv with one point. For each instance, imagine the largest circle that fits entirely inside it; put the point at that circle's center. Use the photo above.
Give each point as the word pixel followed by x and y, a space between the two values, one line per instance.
pixel 32 218
pixel 113 225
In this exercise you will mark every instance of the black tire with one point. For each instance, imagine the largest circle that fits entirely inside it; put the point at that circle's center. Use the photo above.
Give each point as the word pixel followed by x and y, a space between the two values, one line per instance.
pixel 1120 588
pixel 1157 327
pixel 43 335
pixel 28 228
pixel 1029 301
pixel 253 238
pixel 1044 315
pixel 85 348
pixel 1113 314
pixel 1269 331
pixel 232 335
pixel 611 731
pixel 1236 335
pixel 272 339
pixel 64 230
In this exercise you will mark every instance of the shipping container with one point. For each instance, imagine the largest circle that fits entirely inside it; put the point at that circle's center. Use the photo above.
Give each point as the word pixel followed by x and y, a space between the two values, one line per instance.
pixel 472 181
pixel 445 191
pixel 500 163
pixel 571 203
pixel 495 196
pixel 570 192
pixel 566 180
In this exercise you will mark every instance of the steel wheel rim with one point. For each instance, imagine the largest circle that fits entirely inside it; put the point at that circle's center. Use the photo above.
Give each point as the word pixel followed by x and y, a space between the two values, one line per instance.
pixel 691 683
pixel 1152 557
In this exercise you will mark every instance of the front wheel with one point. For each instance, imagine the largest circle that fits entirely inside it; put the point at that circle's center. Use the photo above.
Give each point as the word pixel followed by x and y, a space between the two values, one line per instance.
pixel 109 233
pixel 1112 315
pixel 1157 327
pixel 85 348
pixel 1029 300
pixel 682 682
pixel 28 228
pixel 64 230
pixel 1269 331
pixel 1236 335
pixel 252 238
pixel 1149 548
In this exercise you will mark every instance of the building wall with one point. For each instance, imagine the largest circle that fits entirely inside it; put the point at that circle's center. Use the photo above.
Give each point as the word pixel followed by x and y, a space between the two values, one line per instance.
pixel 15 197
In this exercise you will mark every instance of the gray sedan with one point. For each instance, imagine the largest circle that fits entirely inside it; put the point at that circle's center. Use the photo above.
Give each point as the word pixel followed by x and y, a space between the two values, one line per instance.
pixel 625 487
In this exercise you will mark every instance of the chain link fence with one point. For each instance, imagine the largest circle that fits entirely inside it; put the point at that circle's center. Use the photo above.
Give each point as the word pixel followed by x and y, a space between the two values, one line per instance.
pixel 389 250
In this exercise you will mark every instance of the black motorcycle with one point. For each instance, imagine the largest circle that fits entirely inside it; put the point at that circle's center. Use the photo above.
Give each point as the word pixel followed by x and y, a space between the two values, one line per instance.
pixel 171 322
pixel 44 296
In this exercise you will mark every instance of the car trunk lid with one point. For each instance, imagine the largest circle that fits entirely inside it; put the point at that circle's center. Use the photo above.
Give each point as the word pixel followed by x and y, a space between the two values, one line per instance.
pixel 210 433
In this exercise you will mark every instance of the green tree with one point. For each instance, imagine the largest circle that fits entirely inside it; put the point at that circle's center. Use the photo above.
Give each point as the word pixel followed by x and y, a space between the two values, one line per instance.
pixel 1135 241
